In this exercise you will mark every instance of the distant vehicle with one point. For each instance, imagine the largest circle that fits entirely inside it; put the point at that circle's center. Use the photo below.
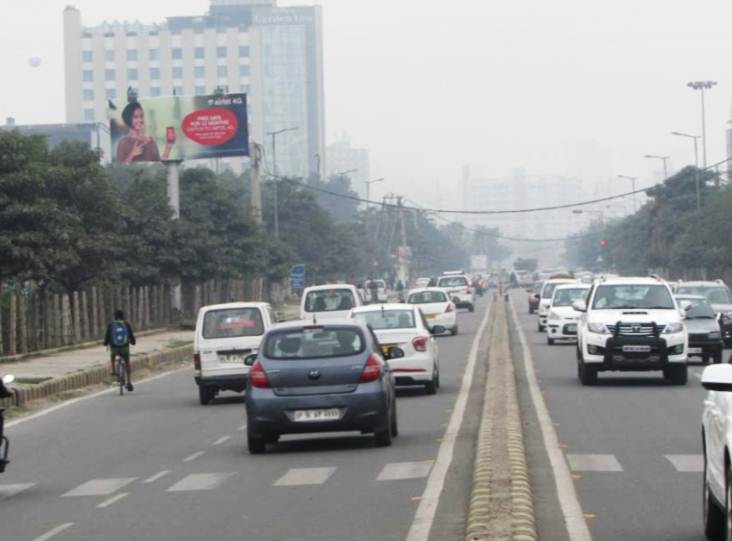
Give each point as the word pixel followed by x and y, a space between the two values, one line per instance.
pixel 705 338
pixel 225 334
pixel 718 295
pixel 534 296
pixel 524 278
pixel 547 292
pixel 381 291
pixel 320 378
pixel 457 284
pixel 631 324
pixel 422 282
pixel 562 319
pixel 330 301
pixel 405 327
pixel 436 306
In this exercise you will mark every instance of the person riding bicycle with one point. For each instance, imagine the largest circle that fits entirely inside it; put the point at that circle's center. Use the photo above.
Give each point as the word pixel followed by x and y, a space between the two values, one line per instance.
pixel 118 338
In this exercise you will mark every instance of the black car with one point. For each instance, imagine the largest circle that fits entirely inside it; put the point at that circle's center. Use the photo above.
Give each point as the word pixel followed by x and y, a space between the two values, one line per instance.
pixel 705 337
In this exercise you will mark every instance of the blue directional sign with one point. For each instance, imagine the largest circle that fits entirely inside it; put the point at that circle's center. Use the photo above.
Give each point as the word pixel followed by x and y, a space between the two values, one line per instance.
pixel 297 276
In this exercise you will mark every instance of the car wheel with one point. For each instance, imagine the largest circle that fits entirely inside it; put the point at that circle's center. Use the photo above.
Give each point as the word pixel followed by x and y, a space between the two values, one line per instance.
pixel 454 331
pixel 539 328
pixel 271 438
pixel 431 386
pixel 586 374
pixel 714 517
pixel 471 308
pixel 382 436
pixel 205 394
pixel 550 341
pixel 717 358
pixel 394 422
pixel 256 442
pixel 677 375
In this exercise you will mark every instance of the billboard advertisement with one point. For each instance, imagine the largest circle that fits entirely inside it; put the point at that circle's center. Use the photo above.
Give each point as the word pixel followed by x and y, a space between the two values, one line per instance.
pixel 179 128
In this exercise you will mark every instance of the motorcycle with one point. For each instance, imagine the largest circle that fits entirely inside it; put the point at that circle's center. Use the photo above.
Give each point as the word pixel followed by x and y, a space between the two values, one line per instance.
pixel 4 444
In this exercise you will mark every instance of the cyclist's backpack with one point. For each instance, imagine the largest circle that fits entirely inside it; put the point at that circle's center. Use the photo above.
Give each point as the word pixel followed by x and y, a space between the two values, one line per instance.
pixel 120 334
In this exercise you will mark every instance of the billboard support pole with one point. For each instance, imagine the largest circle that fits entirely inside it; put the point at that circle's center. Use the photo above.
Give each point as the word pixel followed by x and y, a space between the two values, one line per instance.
pixel 173 169
pixel 255 202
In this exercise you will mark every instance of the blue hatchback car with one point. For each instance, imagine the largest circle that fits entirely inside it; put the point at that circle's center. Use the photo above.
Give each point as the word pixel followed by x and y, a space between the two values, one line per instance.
pixel 309 378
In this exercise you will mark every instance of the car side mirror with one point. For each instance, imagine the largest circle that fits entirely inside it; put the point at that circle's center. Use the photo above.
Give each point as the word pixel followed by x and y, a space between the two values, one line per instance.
pixel 438 329
pixel 8 379
pixel 394 353
pixel 717 377
pixel 579 306
pixel 250 359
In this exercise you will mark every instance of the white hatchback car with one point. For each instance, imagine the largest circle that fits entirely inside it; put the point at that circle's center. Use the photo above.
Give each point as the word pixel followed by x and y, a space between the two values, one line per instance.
pixel 330 301
pixel 436 306
pixel 545 299
pixel 562 319
pixel 458 287
pixel 404 326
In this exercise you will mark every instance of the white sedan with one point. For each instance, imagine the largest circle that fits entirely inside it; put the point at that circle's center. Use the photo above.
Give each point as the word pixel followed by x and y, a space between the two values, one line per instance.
pixel 562 319
pixel 405 327
pixel 717 446
pixel 436 306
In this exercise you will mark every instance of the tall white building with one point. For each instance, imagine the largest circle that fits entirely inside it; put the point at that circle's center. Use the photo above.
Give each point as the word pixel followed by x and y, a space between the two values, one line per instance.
pixel 273 54
pixel 343 157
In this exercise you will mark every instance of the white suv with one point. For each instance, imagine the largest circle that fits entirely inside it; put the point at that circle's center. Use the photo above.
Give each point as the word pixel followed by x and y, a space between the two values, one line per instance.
pixel 631 324
pixel 457 285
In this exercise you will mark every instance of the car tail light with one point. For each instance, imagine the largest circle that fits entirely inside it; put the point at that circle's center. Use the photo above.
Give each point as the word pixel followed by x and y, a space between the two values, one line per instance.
pixel 258 377
pixel 197 361
pixel 450 307
pixel 420 343
pixel 371 370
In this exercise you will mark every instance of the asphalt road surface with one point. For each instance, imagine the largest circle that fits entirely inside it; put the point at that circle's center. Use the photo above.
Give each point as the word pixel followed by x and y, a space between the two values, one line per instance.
pixel 157 465
pixel 632 443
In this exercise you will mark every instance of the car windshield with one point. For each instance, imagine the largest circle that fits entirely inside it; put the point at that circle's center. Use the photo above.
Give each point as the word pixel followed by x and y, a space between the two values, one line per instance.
pixel 567 297
pixel 714 294
pixel 233 323
pixel 628 296
pixel 380 320
pixel 329 300
pixel 315 342
pixel 426 297
pixel 453 281
pixel 698 309
pixel 548 291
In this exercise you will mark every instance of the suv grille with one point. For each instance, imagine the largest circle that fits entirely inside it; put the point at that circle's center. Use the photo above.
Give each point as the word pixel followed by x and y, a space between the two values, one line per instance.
pixel 636 329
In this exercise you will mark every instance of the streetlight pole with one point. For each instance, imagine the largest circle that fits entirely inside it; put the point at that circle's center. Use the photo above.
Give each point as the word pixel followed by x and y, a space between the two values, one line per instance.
pixel 665 162
pixel 368 187
pixel 274 135
pixel 632 180
pixel 696 162
pixel 701 86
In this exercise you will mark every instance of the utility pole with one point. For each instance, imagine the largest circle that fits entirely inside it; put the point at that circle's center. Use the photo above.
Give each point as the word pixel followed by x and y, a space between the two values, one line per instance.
pixel 632 180
pixel 255 201
pixel 701 86
pixel 403 255
pixel 274 135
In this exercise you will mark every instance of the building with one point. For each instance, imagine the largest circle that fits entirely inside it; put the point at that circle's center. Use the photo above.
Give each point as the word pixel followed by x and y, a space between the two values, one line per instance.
pixel 273 54
pixel 95 134
pixel 343 157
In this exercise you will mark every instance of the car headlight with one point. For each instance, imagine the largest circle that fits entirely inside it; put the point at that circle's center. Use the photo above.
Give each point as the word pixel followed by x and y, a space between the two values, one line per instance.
pixel 553 315
pixel 673 328
pixel 715 335
pixel 599 328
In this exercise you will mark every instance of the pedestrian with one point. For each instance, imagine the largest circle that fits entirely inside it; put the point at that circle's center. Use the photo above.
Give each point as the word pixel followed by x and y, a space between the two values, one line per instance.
pixel 400 290
pixel 118 338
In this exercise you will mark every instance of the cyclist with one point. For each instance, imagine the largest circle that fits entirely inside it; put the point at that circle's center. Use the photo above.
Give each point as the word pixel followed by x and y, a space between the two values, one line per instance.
pixel 118 338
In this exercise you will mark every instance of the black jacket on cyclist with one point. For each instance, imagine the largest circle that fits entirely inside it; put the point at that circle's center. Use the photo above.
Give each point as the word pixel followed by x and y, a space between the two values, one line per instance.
pixel 108 335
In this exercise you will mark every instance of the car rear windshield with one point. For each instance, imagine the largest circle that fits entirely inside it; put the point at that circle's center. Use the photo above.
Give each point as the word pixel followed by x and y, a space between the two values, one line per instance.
pixel 314 343
pixel 453 281
pixel 387 319
pixel 548 291
pixel 233 323
pixel 714 294
pixel 566 297
pixel 698 309
pixel 622 297
pixel 330 300
pixel 426 297
pixel 378 283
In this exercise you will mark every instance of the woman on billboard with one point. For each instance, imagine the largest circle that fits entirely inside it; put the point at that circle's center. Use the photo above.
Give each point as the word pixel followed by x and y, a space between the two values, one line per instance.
pixel 136 146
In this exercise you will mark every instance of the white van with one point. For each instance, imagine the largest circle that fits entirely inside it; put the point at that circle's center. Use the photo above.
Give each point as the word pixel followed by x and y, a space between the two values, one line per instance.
pixel 225 335
pixel 330 301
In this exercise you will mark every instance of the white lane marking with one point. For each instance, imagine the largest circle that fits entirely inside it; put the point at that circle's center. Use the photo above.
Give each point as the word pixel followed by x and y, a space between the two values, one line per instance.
pixel 221 440
pixel 687 463
pixel 577 528
pixel 157 476
pixel 405 470
pixel 57 530
pixel 304 476
pixel 112 500
pixel 596 463
pixel 194 456
pixel 100 487
pixel 89 397
pixel 242 428
pixel 425 515
pixel 200 481
pixel 8 491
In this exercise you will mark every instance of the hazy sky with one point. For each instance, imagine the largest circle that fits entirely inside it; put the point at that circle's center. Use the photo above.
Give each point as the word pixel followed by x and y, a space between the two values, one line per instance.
pixel 575 87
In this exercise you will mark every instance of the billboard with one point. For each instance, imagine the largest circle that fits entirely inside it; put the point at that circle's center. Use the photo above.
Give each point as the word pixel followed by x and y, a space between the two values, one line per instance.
pixel 179 128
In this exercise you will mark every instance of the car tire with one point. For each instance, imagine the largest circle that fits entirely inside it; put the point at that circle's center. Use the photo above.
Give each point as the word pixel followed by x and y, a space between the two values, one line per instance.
pixel 549 341
pixel 394 422
pixel 531 310
pixel 677 375
pixel 454 331
pixel 206 394
pixel 539 327
pixel 717 358
pixel 471 307
pixel 586 374
pixel 431 386
pixel 714 522
pixel 256 443
pixel 382 436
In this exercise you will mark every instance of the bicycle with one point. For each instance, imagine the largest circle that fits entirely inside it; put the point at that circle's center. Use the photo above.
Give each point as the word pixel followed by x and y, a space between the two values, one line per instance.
pixel 120 369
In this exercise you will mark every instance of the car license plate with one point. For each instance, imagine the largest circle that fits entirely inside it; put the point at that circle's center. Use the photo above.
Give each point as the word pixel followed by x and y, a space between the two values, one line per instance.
pixel 636 349
pixel 695 350
pixel 231 358
pixel 571 328
pixel 385 348
pixel 430 316
pixel 309 416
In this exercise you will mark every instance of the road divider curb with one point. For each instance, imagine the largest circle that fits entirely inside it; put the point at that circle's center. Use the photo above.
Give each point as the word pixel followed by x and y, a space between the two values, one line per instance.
pixel 501 503
pixel 93 376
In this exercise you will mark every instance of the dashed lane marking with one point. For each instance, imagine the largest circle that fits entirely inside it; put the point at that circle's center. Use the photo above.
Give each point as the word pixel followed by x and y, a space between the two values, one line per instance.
pixel 8 491
pixel 113 499
pixel 194 456
pixel 687 463
pixel 100 487
pixel 221 440
pixel 57 530
pixel 595 463
pixel 200 481
pixel 304 476
pixel 405 470
pixel 157 476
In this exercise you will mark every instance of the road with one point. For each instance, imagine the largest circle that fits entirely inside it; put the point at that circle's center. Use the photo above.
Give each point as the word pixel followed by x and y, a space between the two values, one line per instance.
pixel 632 443
pixel 157 465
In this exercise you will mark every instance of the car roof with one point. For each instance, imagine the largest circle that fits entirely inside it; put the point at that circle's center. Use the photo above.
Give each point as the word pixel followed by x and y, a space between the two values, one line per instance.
pixel 234 305
pixel 340 322
pixel 690 296
pixel 379 307
pixel 422 289
pixel 326 287
pixel 578 285
pixel 701 283
pixel 562 281
pixel 633 280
